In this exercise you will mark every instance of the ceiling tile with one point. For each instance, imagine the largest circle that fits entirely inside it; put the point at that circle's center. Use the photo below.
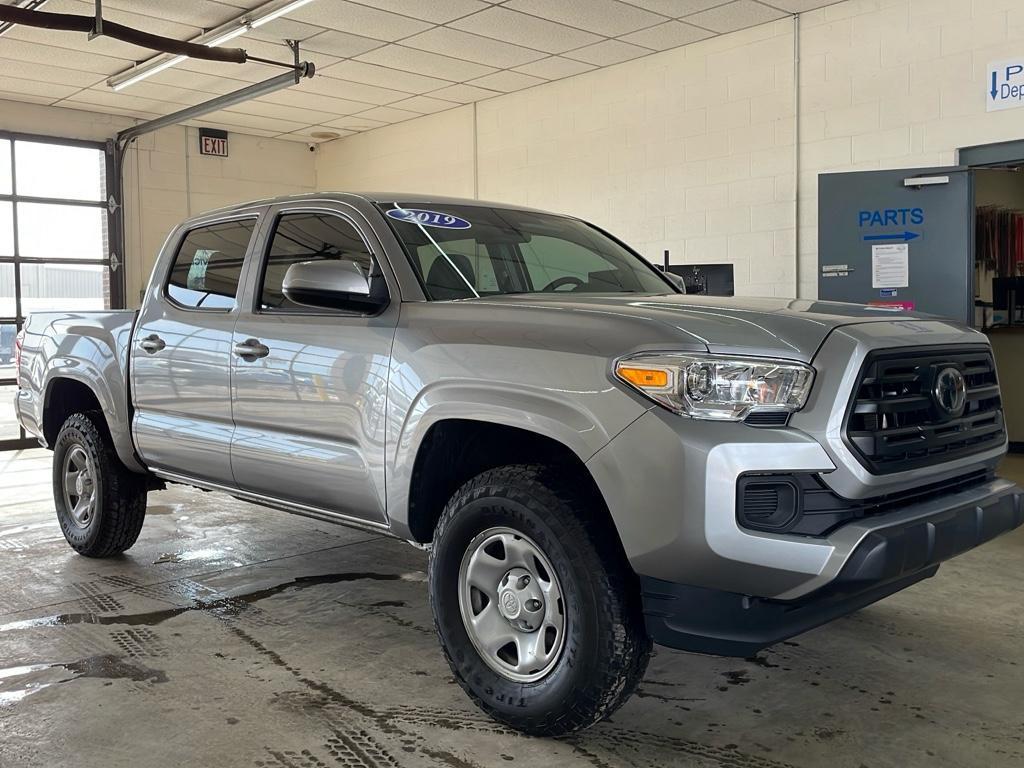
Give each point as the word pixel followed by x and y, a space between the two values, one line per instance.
pixel 238 120
pixel 51 91
pixel 340 44
pixel 463 93
pixel 609 52
pixel 676 8
pixel 262 108
pixel 25 98
pixel 671 34
pixel 306 134
pixel 424 104
pixel 389 114
pixel 463 45
pixel 426 63
pixel 736 15
pixel 604 17
pixel 554 68
pixel 296 97
pixel 20 50
pixel 284 29
pixel 523 29
pixel 437 11
pixel 799 6
pixel 199 13
pixel 147 89
pixel 198 81
pixel 384 77
pixel 103 96
pixel 249 131
pixel 22 70
pixel 355 124
pixel 359 20
pixel 106 109
pixel 507 81
pixel 346 89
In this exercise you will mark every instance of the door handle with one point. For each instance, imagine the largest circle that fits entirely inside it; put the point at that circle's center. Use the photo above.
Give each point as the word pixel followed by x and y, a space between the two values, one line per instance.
pixel 251 349
pixel 152 343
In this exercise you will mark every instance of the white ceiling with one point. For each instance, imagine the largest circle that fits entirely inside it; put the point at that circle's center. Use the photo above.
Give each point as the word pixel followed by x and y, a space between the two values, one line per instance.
pixel 378 61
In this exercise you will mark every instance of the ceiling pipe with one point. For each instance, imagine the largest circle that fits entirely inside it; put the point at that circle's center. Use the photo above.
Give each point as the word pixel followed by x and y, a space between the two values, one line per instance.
pixel 71 22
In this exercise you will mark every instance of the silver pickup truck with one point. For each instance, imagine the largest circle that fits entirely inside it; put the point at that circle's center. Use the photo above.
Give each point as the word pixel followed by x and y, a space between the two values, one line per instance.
pixel 595 460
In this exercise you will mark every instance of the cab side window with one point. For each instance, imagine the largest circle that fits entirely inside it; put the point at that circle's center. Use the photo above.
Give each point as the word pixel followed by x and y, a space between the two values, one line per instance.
pixel 208 265
pixel 312 236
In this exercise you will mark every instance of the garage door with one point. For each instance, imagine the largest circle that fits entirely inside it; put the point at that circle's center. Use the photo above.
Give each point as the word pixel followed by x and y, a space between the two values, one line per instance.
pixel 54 244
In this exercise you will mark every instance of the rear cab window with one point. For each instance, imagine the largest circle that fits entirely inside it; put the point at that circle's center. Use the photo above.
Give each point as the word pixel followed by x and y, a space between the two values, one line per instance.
pixel 208 265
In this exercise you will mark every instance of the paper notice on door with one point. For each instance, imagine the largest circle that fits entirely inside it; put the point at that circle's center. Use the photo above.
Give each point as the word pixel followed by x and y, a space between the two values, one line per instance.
pixel 890 266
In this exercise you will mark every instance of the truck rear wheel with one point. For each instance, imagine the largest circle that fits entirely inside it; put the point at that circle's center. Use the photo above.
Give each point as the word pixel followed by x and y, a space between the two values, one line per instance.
pixel 536 609
pixel 101 504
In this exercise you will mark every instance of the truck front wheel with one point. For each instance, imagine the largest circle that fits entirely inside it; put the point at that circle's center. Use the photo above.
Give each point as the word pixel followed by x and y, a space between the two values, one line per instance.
pixel 536 609
pixel 101 504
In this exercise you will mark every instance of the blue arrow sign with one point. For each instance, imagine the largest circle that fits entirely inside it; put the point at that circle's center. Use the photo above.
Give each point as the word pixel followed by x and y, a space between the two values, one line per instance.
pixel 904 236
pixel 995 89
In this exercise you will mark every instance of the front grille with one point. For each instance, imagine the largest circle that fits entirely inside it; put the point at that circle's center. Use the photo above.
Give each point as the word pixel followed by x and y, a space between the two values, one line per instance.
pixel 895 422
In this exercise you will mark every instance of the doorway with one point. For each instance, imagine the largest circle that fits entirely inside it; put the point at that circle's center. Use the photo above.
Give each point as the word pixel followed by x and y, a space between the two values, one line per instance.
pixel 54 244
pixel 998 172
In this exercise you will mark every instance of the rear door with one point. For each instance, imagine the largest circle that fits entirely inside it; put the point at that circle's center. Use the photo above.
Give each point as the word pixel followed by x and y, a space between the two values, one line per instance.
pixel 310 404
pixel 181 355
pixel 902 239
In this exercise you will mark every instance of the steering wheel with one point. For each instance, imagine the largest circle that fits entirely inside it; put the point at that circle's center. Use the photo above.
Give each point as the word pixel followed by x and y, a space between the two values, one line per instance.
pixel 558 282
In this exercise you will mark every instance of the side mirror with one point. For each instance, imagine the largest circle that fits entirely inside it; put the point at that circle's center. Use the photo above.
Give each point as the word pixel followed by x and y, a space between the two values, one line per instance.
pixel 329 284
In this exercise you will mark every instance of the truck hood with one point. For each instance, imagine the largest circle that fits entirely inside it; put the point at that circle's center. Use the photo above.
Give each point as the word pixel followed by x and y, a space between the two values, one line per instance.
pixel 788 328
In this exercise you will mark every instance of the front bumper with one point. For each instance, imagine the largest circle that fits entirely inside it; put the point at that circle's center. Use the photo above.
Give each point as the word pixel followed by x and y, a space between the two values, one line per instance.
pixel 886 560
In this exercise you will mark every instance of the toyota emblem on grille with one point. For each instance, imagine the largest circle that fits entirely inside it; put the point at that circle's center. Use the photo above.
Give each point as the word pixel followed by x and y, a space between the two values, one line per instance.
pixel 950 391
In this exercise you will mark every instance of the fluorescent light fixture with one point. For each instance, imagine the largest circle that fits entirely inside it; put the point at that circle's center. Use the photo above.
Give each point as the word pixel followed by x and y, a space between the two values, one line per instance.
pixel 230 34
pixel 148 72
pixel 222 34
pixel 284 9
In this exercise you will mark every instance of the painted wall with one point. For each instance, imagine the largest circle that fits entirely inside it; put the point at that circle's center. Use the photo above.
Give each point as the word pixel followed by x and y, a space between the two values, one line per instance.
pixel 165 178
pixel 692 150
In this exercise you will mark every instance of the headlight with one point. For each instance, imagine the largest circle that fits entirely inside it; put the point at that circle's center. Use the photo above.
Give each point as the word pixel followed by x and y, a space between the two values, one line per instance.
pixel 719 388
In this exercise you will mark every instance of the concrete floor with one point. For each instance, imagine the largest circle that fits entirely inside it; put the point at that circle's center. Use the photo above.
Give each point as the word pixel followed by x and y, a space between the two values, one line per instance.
pixel 233 635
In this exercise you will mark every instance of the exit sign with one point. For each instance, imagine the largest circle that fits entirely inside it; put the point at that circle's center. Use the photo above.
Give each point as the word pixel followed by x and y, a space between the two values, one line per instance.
pixel 213 142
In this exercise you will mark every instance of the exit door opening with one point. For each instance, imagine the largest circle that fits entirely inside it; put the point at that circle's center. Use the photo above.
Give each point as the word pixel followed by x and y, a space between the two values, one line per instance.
pixel 999 267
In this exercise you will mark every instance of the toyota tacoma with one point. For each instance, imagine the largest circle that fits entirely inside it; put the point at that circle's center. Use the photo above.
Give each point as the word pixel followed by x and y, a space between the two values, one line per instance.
pixel 595 460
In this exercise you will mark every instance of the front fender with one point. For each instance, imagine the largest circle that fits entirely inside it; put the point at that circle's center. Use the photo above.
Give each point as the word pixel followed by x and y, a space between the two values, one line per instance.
pixel 582 427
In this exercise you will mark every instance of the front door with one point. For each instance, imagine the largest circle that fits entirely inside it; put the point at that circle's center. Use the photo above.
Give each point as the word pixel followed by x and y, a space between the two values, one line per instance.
pixel 899 239
pixel 310 385
pixel 181 354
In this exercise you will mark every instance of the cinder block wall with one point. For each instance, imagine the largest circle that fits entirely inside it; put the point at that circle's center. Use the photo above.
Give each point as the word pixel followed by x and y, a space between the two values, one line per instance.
pixel 692 150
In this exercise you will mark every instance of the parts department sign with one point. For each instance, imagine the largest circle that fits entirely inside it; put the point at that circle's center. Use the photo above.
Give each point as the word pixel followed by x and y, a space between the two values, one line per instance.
pixel 1005 84
pixel 213 142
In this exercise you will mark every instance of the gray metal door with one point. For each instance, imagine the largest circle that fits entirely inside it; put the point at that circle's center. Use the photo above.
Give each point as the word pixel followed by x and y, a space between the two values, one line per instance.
pixel 902 239
pixel 181 352
pixel 309 386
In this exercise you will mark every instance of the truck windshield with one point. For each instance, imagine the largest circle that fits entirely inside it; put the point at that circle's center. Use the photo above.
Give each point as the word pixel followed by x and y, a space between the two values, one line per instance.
pixel 465 252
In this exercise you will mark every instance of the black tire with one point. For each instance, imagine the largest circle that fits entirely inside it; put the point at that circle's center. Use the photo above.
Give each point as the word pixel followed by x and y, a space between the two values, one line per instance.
pixel 606 647
pixel 120 494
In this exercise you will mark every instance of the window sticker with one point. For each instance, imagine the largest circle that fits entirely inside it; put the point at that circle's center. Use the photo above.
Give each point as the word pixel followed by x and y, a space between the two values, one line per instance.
pixel 428 218
pixel 196 280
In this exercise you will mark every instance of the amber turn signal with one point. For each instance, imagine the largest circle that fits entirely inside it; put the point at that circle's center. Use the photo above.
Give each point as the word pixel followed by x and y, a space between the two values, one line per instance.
pixel 644 377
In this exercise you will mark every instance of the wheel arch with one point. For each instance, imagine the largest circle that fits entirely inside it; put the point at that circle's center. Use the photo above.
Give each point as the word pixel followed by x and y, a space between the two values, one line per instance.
pixel 67 394
pixel 454 450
